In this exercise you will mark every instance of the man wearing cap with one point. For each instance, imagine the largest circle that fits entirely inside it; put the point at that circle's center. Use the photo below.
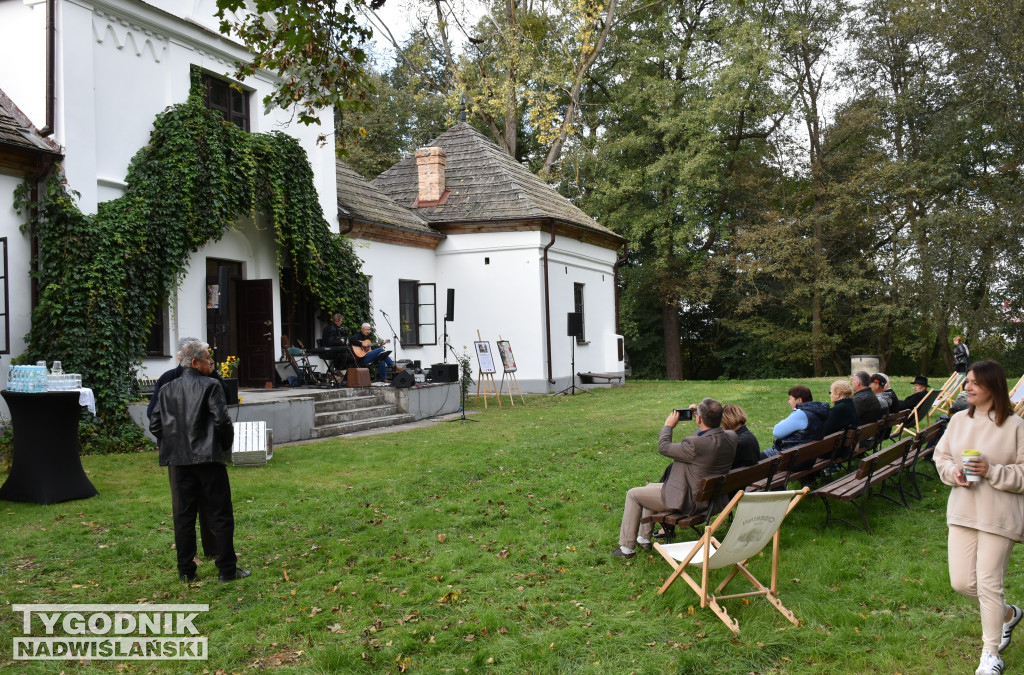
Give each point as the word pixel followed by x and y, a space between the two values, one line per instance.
pixel 885 397
pixel 920 391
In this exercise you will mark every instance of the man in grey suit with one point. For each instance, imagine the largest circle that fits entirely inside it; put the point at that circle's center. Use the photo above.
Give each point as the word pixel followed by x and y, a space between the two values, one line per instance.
pixel 709 452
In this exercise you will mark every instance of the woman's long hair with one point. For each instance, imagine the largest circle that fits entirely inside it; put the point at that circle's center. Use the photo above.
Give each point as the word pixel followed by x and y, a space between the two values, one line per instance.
pixel 990 375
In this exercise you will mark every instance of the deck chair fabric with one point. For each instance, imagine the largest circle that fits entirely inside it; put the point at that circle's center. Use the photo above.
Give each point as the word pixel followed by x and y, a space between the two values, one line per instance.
pixel 947 395
pixel 757 517
pixel 921 411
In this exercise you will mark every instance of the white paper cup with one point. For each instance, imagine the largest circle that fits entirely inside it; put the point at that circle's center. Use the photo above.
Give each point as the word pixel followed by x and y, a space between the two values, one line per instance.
pixel 971 477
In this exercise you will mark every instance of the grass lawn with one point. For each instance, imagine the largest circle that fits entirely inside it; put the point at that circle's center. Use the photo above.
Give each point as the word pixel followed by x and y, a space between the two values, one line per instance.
pixel 483 548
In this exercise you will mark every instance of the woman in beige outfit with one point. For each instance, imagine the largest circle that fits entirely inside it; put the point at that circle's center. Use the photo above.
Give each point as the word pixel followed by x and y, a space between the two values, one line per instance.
pixel 985 518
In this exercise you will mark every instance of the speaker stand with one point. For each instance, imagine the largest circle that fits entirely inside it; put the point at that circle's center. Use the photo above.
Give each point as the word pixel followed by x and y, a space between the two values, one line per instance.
pixel 462 392
pixel 572 388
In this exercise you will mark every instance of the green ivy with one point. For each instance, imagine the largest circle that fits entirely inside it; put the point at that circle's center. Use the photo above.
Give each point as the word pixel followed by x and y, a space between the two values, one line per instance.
pixel 103 278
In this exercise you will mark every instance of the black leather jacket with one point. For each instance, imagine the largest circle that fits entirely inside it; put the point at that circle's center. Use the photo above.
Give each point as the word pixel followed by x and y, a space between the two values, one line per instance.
pixel 191 420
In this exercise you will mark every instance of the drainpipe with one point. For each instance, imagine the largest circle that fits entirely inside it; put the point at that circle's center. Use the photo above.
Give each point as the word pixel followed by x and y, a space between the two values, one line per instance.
pixel 51 65
pixel 615 271
pixel 547 306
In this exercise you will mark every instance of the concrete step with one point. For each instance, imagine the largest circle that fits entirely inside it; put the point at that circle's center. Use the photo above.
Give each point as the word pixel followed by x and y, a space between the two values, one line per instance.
pixel 350 427
pixel 340 393
pixel 342 416
pixel 347 403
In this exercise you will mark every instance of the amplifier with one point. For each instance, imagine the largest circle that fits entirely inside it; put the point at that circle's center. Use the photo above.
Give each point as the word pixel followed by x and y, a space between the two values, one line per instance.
pixel 444 372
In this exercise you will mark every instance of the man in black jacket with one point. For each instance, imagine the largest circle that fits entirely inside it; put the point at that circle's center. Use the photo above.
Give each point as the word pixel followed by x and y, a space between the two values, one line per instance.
pixel 920 391
pixel 191 421
pixel 334 335
pixel 868 408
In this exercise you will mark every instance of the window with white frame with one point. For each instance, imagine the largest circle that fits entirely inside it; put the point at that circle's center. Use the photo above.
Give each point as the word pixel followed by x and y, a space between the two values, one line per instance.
pixel 417 312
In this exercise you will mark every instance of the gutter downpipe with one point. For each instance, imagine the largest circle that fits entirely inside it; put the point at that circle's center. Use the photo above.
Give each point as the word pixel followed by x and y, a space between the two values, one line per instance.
pixel 615 271
pixel 547 306
pixel 51 65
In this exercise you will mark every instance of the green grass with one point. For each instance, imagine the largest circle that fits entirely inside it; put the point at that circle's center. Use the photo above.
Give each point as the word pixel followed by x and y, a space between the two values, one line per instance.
pixel 483 548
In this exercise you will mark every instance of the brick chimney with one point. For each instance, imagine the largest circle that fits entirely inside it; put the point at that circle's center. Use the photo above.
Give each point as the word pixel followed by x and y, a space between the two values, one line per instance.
pixel 430 164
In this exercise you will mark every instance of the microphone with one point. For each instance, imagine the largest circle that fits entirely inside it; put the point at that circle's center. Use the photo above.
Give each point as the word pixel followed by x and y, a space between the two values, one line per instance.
pixel 383 312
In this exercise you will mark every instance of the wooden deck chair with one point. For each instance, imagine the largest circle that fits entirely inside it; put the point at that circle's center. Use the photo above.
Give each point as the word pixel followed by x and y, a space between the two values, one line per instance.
pixel 757 519
pixel 947 396
pixel 921 411
pixel 1017 393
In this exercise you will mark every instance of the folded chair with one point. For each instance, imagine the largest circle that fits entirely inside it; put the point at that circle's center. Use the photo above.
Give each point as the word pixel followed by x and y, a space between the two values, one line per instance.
pixel 947 395
pixel 921 411
pixel 1017 393
pixel 757 517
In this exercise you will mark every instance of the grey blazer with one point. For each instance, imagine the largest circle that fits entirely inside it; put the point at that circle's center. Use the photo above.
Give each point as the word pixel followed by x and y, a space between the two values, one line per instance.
pixel 695 457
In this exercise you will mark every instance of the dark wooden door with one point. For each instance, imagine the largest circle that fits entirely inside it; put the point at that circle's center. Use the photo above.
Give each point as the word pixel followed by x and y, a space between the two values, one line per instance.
pixel 255 316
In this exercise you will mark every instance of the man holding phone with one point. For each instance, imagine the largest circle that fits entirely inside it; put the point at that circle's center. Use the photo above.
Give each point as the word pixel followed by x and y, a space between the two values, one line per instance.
pixel 708 452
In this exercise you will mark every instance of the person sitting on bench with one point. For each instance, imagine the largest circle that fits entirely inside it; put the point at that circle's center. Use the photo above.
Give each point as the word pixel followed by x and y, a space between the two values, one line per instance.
pixel 367 353
pixel 708 452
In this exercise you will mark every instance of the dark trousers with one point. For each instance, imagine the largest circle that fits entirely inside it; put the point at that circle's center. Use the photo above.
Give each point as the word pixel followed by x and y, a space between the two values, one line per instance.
pixel 205 530
pixel 195 482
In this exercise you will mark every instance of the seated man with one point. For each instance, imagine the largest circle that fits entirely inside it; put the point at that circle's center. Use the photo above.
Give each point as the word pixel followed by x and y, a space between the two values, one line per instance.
pixel 877 386
pixel 334 335
pixel 803 425
pixel 868 408
pixel 920 391
pixel 367 353
pixel 888 392
pixel 709 452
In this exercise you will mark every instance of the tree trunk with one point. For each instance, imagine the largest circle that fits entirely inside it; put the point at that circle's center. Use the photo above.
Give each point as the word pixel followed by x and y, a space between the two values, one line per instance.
pixel 673 351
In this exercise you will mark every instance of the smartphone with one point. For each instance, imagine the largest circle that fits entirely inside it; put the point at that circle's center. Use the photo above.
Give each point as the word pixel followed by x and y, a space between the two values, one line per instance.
pixel 685 414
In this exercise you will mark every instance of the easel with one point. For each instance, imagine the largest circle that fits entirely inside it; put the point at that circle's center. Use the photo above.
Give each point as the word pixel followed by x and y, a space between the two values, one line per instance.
pixel 510 373
pixel 486 379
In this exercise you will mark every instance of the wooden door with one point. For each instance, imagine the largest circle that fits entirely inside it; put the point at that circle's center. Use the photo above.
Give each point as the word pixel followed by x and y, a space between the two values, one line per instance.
pixel 255 320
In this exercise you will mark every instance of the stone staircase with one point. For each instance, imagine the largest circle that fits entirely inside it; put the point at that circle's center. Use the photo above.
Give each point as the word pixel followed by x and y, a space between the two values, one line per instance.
pixel 343 411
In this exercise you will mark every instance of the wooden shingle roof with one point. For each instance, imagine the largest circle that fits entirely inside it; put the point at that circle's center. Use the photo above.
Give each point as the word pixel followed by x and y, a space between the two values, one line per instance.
pixel 359 200
pixel 22 147
pixel 486 185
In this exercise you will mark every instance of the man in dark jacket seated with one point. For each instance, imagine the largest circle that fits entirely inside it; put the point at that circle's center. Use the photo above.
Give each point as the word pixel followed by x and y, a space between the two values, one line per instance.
pixel 803 425
pixel 191 421
pixel 334 335
pixel 920 391
pixel 868 408
pixel 708 452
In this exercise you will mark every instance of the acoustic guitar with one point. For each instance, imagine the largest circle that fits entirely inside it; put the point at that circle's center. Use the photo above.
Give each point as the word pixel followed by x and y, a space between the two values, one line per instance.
pixel 361 351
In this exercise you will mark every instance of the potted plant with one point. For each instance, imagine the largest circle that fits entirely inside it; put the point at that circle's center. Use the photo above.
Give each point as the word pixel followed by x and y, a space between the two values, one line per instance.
pixel 228 369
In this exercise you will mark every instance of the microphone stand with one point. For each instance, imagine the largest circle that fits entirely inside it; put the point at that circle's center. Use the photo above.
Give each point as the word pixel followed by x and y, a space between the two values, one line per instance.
pixel 462 393
pixel 394 335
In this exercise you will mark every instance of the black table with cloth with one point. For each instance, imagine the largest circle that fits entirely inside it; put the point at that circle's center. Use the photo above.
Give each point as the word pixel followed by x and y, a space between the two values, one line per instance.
pixel 45 466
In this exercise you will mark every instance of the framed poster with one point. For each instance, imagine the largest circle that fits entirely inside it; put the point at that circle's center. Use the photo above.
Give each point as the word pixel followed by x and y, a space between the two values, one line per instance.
pixel 483 357
pixel 507 360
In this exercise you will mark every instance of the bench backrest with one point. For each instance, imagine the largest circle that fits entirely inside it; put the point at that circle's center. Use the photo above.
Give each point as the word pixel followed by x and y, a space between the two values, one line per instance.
pixel 737 479
pixel 890 422
pixel 896 451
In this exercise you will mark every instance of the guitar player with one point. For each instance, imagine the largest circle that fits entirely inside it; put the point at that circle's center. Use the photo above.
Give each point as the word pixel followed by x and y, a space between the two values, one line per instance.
pixel 366 352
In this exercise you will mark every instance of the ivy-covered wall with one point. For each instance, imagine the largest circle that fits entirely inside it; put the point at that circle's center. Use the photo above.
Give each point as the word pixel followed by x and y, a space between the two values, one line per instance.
pixel 103 278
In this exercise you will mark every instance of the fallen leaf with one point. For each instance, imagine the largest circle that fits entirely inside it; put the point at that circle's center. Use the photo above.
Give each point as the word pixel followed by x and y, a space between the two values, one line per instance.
pixel 442 537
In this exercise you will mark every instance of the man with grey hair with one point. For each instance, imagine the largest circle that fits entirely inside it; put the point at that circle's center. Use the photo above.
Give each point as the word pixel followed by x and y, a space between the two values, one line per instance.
pixel 333 334
pixel 362 343
pixel 191 420
pixel 708 452
pixel 205 531
pixel 868 408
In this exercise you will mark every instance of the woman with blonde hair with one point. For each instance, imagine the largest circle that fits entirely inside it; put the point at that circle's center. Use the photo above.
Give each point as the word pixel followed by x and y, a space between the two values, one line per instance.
pixel 985 512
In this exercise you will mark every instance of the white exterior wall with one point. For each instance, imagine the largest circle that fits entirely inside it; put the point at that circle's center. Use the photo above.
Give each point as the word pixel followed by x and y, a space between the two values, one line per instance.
pixel 504 299
pixel 19 286
pixel 119 64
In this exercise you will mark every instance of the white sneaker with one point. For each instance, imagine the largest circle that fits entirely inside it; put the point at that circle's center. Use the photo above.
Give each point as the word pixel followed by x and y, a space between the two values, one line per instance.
pixel 990 664
pixel 1009 626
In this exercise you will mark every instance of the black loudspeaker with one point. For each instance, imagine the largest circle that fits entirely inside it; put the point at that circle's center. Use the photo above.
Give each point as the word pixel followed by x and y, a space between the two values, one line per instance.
pixel 403 379
pixel 449 314
pixel 444 372
pixel 574 327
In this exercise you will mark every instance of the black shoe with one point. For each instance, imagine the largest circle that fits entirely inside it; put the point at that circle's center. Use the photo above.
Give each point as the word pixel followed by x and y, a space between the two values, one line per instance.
pixel 619 553
pixel 239 574
pixel 187 578
pixel 647 547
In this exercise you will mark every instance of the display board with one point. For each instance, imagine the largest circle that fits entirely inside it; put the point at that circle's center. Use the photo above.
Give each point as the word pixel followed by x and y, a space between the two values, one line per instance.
pixel 507 360
pixel 484 357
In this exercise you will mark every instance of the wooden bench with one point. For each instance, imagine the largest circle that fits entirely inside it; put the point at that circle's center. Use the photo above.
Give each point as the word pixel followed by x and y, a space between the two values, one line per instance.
pixel 254 444
pixel 588 378
pixel 709 491
pixel 876 473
